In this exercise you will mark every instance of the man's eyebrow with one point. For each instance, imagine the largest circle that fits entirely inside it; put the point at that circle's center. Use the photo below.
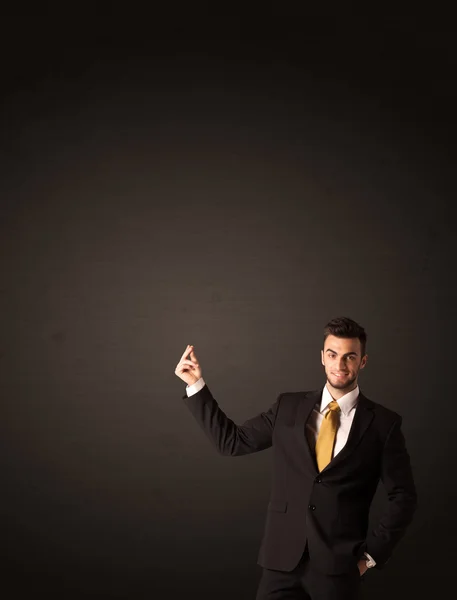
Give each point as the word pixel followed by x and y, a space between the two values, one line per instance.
pixel 347 353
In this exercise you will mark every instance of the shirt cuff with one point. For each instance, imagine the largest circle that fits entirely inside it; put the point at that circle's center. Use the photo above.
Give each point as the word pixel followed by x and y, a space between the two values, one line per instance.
pixel 370 558
pixel 195 387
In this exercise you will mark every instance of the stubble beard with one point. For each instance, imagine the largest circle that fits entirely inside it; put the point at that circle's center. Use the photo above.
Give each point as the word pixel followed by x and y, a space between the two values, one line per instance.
pixel 341 385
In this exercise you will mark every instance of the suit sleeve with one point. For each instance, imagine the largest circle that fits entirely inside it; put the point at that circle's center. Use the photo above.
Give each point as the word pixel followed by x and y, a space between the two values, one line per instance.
pixel 397 478
pixel 231 439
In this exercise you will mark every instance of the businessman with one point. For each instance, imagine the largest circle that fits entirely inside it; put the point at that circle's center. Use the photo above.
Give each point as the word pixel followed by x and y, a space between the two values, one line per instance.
pixel 331 447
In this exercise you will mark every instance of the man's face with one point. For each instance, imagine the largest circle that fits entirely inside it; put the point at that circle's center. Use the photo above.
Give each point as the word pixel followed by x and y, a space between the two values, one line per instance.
pixel 342 361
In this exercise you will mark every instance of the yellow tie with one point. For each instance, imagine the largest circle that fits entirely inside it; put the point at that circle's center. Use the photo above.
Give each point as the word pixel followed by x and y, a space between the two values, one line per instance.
pixel 327 434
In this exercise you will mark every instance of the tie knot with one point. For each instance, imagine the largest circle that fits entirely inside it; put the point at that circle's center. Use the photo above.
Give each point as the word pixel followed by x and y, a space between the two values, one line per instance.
pixel 334 406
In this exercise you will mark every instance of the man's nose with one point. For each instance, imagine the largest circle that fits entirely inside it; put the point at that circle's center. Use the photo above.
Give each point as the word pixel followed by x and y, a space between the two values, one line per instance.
pixel 341 364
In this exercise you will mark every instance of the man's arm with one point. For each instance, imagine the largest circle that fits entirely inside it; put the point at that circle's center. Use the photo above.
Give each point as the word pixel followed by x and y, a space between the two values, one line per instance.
pixel 230 439
pixel 397 477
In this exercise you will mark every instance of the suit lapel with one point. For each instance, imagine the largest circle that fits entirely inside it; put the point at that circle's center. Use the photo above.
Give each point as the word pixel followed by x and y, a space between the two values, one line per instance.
pixel 305 407
pixel 362 419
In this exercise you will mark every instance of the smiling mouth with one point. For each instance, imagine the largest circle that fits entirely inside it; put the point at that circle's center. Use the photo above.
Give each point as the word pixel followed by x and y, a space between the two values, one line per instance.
pixel 340 374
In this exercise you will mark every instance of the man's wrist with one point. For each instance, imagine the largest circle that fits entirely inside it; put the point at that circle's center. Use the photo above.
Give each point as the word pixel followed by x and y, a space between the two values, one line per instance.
pixel 195 387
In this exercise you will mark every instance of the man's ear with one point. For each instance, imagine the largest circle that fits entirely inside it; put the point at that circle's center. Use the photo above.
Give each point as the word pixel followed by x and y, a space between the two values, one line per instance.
pixel 364 361
pixel 322 357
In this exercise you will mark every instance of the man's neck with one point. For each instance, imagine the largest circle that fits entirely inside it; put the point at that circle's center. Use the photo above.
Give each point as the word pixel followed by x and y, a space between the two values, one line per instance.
pixel 337 393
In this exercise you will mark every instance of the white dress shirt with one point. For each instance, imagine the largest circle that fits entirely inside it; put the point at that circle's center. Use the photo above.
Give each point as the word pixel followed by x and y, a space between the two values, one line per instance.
pixel 347 404
pixel 195 387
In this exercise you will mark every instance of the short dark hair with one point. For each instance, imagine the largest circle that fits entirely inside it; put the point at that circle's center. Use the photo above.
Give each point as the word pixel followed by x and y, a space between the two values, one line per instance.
pixel 344 327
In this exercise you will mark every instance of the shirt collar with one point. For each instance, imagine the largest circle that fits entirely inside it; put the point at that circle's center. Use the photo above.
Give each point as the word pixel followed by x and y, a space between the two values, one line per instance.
pixel 346 402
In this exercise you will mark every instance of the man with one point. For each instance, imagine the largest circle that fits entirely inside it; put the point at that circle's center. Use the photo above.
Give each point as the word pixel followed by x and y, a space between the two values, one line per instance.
pixel 330 449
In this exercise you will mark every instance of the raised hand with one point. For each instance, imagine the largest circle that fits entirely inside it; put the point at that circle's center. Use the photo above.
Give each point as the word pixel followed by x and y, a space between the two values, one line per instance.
pixel 188 370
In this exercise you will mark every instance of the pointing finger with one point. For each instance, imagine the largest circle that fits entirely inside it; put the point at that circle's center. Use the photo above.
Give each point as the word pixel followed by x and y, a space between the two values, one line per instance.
pixel 186 351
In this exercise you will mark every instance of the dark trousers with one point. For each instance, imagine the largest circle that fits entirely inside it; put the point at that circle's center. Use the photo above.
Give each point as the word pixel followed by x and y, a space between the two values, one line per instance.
pixel 305 583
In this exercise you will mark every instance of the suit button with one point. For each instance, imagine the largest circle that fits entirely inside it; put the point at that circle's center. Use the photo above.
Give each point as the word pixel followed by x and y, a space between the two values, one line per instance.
pixel 311 507
pixel 318 480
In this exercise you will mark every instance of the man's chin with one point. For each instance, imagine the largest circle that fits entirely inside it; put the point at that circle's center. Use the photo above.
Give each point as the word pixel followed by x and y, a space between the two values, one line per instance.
pixel 341 384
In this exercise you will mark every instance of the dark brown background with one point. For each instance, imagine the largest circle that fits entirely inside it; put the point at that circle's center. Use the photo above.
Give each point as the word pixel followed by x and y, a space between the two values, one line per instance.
pixel 232 188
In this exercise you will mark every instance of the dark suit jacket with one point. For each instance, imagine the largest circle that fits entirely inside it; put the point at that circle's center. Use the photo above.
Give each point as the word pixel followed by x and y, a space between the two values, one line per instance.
pixel 327 510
